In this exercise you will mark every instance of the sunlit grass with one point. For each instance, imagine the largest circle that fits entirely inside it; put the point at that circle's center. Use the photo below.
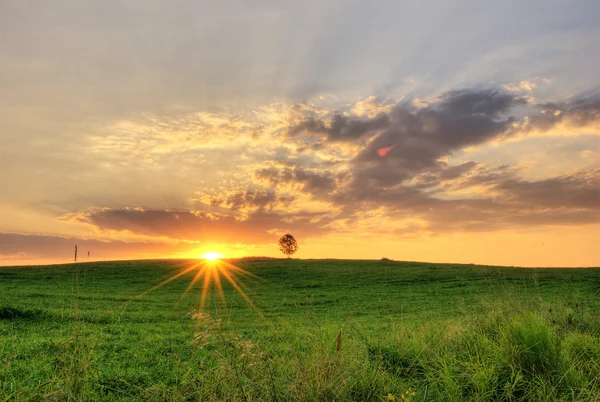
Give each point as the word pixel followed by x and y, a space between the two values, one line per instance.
pixel 334 330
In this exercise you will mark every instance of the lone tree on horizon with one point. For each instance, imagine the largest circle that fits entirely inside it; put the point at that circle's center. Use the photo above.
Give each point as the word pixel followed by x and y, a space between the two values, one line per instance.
pixel 288 244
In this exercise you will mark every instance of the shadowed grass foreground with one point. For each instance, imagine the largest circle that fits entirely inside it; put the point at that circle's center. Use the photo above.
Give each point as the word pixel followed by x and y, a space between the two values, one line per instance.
pixel 332 330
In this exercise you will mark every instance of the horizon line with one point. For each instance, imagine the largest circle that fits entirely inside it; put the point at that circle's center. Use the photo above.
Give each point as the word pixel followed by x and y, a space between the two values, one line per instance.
pixel 265 258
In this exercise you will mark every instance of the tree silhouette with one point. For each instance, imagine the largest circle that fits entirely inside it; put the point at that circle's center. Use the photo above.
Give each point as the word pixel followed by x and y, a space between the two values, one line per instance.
pixel 288 244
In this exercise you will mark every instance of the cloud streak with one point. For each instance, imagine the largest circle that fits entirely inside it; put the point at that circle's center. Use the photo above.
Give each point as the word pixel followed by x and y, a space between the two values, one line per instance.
pixel 259 227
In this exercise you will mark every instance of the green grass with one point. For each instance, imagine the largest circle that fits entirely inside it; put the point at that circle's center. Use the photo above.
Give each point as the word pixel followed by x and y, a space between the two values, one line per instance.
pixel 444 332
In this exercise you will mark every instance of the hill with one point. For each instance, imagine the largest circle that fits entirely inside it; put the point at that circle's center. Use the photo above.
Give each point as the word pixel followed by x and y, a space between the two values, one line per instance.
pixel 320 330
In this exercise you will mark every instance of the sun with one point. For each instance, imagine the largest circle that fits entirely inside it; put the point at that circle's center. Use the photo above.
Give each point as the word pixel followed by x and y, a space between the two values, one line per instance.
pixel 212 256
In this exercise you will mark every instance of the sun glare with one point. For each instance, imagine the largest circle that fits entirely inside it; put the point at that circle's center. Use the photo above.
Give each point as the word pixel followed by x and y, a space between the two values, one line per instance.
pixel 212 256
pixel 208 272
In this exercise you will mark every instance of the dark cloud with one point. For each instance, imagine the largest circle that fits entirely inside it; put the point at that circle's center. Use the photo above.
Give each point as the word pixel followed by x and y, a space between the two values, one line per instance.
pixel 579 190
pixel 509 202
pixel 488 215
pixel 258 227
pixel 342 128
pixel 490 102
pixel 461 118
pixel 578 113
pixel 412 180
pixel 420 136
pixel 416 139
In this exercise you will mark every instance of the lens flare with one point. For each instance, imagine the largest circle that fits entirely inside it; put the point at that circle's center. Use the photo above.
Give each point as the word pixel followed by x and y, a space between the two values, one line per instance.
pixel 384 151
pixel 208 273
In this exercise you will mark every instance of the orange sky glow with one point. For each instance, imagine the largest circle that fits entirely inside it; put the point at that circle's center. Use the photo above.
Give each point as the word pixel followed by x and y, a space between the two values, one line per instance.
pixel 203 128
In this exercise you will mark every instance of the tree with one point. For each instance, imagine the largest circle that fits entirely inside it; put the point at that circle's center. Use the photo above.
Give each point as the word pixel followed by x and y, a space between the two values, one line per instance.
pixel 288 245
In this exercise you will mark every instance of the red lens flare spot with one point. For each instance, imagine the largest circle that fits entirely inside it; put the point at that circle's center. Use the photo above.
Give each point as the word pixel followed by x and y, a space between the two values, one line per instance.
pixel 384 151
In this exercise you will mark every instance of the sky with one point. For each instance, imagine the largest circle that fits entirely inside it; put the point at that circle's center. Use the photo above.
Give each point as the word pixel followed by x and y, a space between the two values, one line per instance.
pixel 441 131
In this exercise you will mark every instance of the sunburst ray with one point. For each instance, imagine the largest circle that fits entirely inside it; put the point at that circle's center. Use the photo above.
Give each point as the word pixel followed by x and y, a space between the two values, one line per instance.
pixel 210 273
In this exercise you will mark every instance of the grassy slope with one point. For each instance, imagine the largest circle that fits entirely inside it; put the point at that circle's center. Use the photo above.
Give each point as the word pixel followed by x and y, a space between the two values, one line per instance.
pixel 447 332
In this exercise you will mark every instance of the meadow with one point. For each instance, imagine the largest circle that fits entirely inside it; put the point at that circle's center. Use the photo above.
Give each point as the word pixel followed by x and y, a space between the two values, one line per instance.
pixel 322 330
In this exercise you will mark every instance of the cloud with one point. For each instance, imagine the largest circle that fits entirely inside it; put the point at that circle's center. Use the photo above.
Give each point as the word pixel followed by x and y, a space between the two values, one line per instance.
pixel 258 228
pixel 159 115
pixel 454 172
pixel 371 107
pixel 15 248
pixel 506 201
pixel 417 139
pixel 579 190
pixel 405 168
pixel 309 182
pixel 413 178
pixel 525 85
pixel 421 136
pixel 341 128
pixel 407 140
pixel 575 113
pixel 250 199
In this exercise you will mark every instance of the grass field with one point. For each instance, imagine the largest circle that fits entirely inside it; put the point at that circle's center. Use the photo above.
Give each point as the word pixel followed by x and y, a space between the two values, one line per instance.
pixel 326 330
